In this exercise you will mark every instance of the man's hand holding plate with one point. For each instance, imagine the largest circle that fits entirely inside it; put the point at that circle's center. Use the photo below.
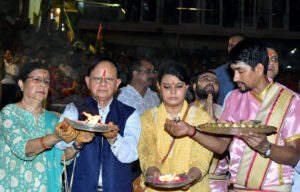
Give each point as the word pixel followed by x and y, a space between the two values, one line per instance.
pixel 111 136
pixel 257 141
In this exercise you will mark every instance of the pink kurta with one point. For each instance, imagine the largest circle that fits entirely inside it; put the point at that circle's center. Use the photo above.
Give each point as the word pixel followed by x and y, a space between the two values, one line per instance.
pixel 242 106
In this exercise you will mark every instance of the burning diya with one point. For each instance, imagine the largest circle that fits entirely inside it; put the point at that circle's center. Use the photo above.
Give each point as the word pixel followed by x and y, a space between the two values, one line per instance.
pixel 92 123
pixel 169 180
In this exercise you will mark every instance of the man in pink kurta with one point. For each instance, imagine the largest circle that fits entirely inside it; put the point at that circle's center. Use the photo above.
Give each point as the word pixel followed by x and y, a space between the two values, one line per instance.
pixel 241 106
pixel 258 162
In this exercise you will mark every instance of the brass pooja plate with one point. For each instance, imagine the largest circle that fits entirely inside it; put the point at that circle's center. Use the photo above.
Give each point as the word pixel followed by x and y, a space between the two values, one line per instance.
pixel 83 126
pixel 235 128
pixel 155 182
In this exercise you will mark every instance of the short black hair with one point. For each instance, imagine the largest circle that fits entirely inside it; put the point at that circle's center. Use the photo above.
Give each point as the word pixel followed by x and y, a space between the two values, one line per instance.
pixel 175 70
pixel 238 34
pixel 251 51
pixel 98 60
pixel 199 74
pixel 11 50
pixel 135 65
pixel 268 44
pixel 29 67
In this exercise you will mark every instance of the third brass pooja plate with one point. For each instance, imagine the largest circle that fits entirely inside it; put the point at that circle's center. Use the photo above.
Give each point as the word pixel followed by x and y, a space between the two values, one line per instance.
pixel 235 128
pixel 84 126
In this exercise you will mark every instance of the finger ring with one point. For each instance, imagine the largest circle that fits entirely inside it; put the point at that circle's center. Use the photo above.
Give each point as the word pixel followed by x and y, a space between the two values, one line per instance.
pixel 177 119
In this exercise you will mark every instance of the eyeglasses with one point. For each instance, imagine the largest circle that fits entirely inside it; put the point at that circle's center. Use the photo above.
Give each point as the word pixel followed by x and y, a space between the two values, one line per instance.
pixel 105 79
pixel 148 71
pixel 209 79
pixel 37 79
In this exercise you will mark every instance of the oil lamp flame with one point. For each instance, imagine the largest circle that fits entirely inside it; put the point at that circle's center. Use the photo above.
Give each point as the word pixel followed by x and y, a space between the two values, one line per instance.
pixel 169 177
pixel 92 119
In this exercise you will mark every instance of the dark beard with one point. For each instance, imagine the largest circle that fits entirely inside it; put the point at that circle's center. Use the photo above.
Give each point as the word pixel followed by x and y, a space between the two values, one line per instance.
pixel 246 88
pixel 202 94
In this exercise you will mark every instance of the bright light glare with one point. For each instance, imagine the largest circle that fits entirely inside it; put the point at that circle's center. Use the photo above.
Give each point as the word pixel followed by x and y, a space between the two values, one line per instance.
pixel 293 51
pixel 288 67
pixel 103 4
pixel 57 10
pixel 193 9
pixel 123 10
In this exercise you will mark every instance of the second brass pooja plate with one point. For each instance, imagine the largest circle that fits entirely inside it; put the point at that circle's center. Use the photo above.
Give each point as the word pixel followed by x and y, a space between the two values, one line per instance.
pixel 235 128
pixel 83 126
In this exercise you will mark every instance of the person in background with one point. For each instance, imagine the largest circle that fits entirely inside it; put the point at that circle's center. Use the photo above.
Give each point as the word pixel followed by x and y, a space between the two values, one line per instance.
pixel 105 163
pixel 273 67
pixel 10 71
pixel 29 162
pixel 257 161
pixel 186 155
pixel 224 72
pixel 137 94
pixel 206 88
pixel 23 60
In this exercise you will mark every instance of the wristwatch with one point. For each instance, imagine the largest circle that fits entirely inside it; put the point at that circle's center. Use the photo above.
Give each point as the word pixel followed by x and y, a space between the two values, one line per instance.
pixel 267 153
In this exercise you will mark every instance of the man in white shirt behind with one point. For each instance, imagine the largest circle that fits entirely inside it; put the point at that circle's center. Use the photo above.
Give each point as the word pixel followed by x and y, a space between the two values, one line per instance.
pixel 137 94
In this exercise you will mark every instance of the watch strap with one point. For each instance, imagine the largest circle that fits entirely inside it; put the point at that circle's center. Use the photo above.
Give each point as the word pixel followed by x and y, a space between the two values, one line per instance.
pixel 267 153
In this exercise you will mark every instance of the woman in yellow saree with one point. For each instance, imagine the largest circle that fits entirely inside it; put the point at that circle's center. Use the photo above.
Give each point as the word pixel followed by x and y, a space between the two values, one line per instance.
pixel 186 155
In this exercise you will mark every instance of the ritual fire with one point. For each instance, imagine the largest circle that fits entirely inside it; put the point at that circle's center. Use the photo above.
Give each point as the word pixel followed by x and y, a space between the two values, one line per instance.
pixel 92 119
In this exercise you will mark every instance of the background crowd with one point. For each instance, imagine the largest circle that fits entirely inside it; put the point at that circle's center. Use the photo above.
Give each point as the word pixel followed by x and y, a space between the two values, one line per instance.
pixel 69 61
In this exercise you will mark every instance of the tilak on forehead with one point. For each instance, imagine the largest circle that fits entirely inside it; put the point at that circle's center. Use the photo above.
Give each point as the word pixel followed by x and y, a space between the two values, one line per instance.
pixel 44 73
pixel 104 73
pixel 173 83
pixel 269 52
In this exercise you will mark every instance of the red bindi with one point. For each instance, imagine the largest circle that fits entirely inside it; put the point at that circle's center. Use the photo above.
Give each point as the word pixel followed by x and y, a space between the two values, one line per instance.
pixel 104 73
pixel 269 53
pixel 173 83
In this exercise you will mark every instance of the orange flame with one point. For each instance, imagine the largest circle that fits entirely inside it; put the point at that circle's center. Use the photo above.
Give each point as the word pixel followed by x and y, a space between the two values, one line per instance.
pixel 92 119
